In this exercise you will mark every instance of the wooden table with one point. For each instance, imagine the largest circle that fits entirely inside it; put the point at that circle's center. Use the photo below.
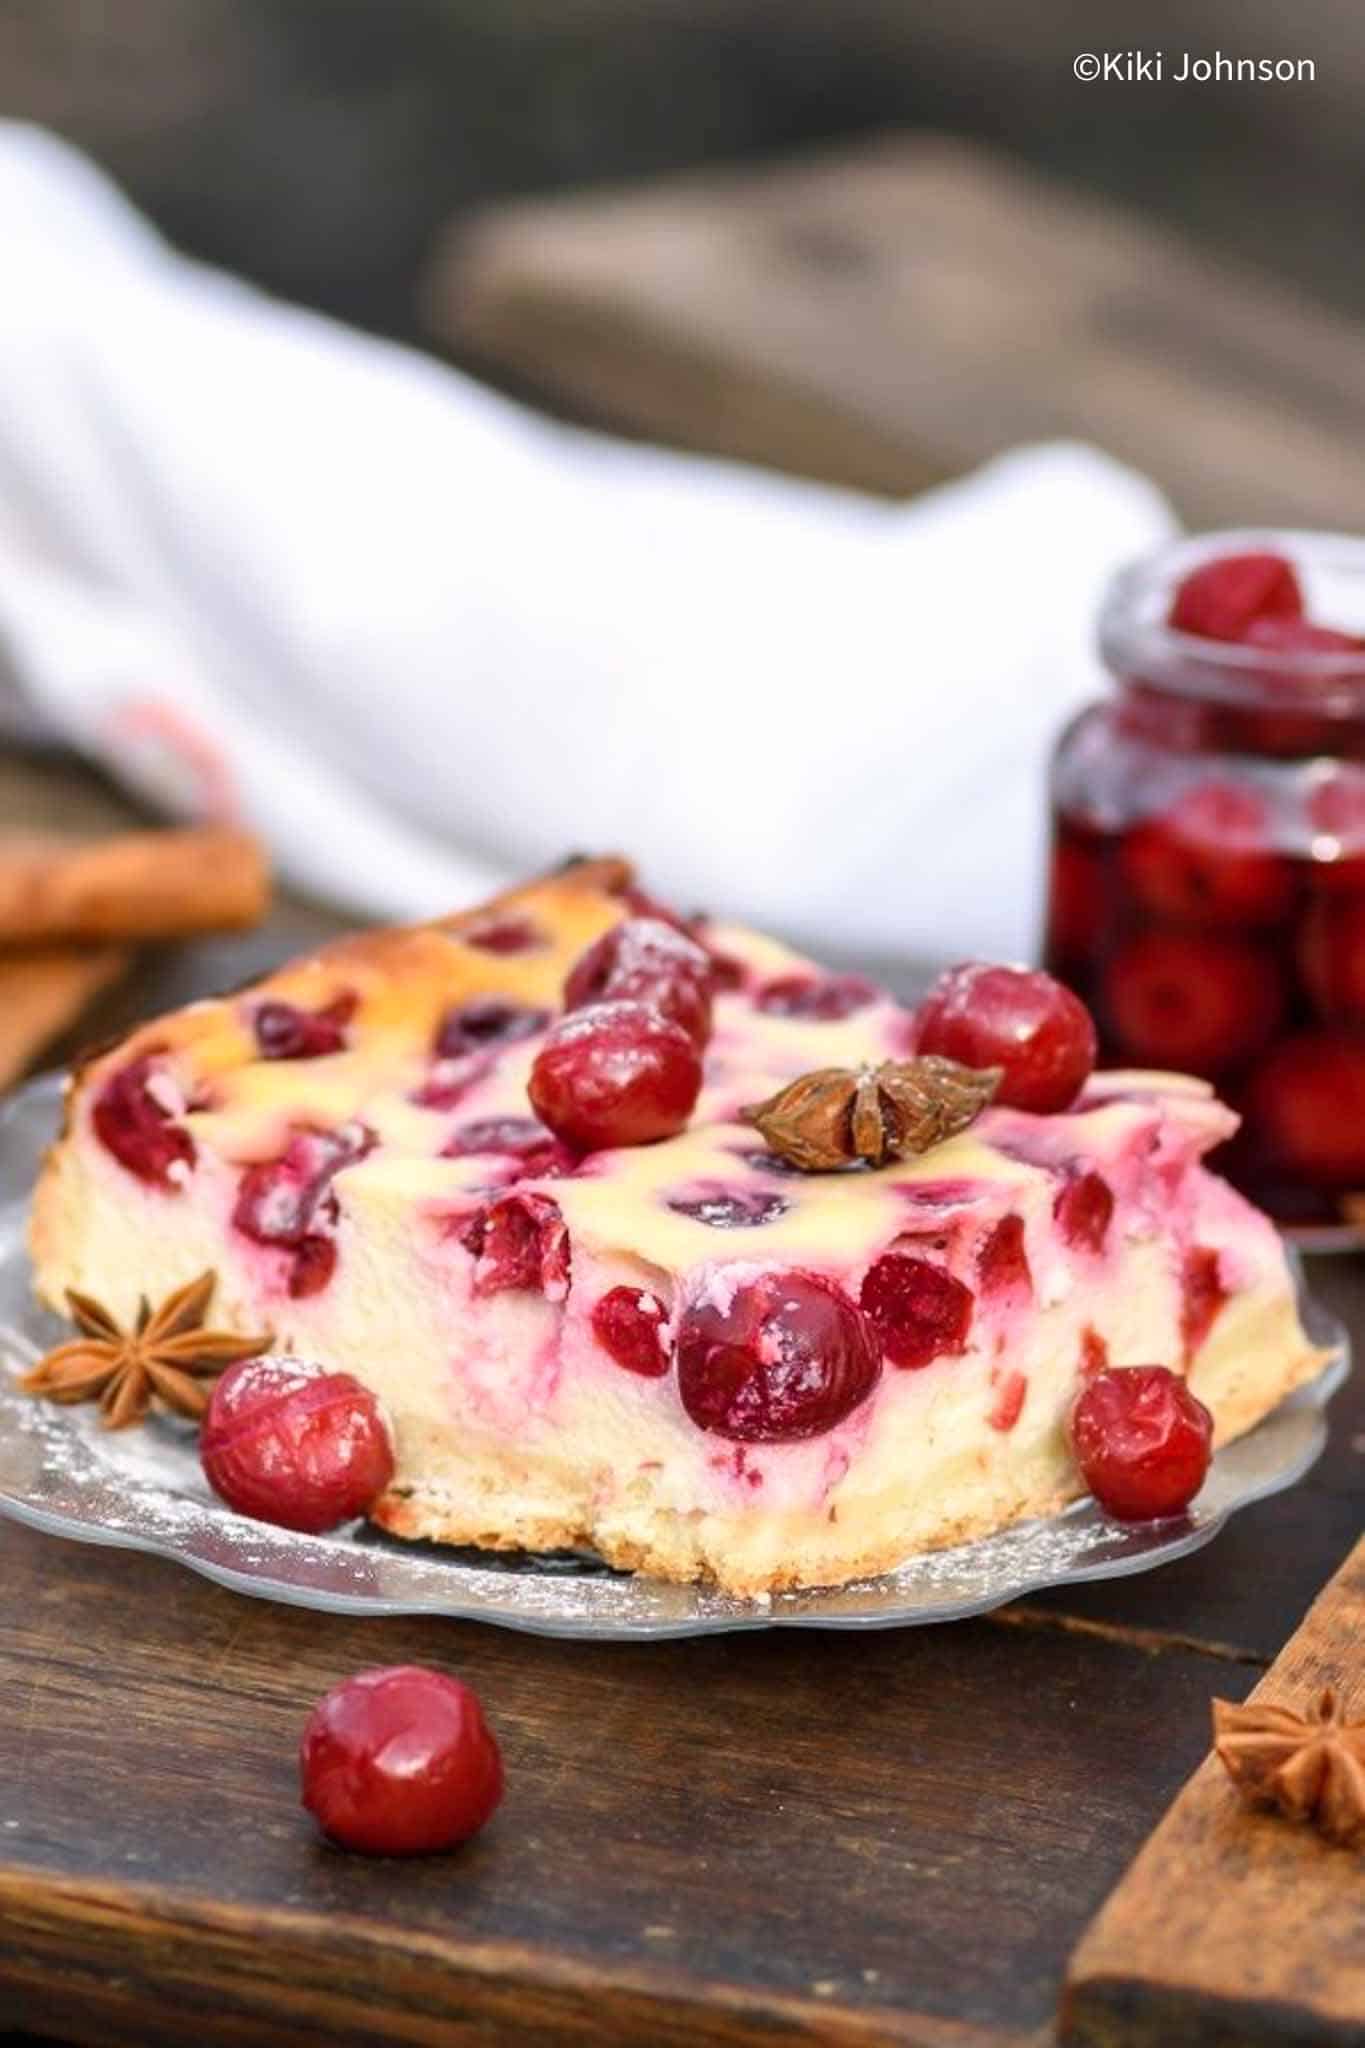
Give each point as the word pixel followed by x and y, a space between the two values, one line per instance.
pixel 895 1837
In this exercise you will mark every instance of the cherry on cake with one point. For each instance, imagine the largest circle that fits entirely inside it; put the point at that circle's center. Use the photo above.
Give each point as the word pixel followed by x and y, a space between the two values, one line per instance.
pixel 657 1238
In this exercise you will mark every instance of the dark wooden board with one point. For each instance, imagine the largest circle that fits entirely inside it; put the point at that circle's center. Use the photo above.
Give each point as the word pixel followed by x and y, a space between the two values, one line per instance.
pixel 830 1837
pixel 1234 1925
pixel 896 312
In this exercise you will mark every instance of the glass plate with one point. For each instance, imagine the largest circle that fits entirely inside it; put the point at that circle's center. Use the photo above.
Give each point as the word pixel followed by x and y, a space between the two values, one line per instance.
pixel 142 1489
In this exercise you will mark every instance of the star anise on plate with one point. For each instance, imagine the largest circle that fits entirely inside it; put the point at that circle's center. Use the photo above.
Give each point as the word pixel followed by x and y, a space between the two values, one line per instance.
pixel 1312 1768
pixel 837 1116
pixel 167 1356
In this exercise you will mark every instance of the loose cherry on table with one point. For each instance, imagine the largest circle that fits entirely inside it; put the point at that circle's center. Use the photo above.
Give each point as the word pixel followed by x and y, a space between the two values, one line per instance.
pixel 1027 1024
pixel 287 1442
pixel 400 1762
pixel 644 960
pixel 775 1359
pixel 1142 1441
pixel 615 1073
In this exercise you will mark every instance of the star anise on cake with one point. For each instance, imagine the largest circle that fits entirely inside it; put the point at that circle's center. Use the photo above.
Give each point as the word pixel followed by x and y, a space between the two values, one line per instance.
pixel 1312 1768
pixel 168 1356
pixel 837 1116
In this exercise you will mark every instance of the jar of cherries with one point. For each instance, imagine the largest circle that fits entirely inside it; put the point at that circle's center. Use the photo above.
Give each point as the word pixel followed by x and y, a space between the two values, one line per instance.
pixel 1207 896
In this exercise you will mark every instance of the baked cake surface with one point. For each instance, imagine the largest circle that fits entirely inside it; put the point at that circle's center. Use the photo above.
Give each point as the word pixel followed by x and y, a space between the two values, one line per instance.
pixel 349 1144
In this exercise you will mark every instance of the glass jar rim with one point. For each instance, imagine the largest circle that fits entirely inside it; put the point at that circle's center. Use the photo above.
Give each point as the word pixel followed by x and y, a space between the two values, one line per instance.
pixel 1139 646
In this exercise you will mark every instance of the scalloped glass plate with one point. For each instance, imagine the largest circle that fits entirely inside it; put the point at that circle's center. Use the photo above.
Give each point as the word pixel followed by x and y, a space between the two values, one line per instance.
pixel 142 1489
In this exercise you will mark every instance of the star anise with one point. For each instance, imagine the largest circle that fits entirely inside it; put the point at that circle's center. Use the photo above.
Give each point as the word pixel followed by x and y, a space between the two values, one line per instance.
pixel 167 1356
pixel 839 1115
pixel 1310 1768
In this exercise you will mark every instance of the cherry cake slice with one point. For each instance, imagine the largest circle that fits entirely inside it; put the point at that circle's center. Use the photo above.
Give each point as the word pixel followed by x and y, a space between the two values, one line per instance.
pixel 510 1188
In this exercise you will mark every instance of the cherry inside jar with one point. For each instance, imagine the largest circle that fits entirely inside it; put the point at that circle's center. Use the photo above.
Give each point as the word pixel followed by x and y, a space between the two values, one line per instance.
pixel 1207 888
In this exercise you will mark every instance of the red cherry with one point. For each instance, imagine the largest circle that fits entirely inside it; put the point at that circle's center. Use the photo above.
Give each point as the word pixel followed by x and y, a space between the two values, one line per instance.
pixel 631 1325
pixel 774 1359
pixel 730 1208
pixel 287 1442
pixel 1220 599
pixel 284 1032
pixel 1192 1000
pixel 1002 1265
pixel 826 1000
pixel 1142 1441
pixel 725 971
pixel 1331 953
pixel 1084 1210
pixel 452 1081
pixel 504 935
pixel 519 1243
pixel 1209 859
pixel 132 1123
pixel 1336 819
pixel 1076 899
pixel 646 961
pixel 615 1074
pixel 312 1266
pixel 538 1155
pixel 487 1020
pixel 918 1311
pixel 1025 1023
pixel 1094 1352
pixel 400 1762
pixel 1298 636
pixel 1202 1296
pixel 1305 1105
pixel 288 1203
pixel 1009 1401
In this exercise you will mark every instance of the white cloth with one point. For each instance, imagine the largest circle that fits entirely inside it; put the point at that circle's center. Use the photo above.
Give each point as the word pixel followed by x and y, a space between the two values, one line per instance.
pixel 422 639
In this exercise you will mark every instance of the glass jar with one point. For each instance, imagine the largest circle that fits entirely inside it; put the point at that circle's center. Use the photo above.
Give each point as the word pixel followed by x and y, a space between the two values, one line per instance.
pixel 1207 893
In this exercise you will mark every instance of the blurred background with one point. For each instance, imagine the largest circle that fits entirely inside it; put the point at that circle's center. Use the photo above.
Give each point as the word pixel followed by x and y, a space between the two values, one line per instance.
pixel 421 639
pixel 322 146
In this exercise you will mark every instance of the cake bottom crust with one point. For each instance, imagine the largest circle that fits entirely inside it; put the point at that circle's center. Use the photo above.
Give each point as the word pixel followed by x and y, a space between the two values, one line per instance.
pixel 502 1501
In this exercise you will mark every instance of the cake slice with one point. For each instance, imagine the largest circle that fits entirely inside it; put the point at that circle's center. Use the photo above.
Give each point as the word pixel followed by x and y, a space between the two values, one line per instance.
pixel 690 1354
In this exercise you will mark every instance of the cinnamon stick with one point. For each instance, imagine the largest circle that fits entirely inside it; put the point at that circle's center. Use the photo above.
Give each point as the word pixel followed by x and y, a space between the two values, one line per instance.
pixel 140 885
pixel 42 991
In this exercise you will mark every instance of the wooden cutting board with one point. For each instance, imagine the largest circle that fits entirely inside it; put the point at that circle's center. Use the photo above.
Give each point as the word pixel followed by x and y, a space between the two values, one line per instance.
pixel 1234 1925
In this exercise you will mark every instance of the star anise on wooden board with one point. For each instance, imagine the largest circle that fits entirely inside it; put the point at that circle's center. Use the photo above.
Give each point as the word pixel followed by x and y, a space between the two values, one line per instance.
pixel 837 1116
pixel 1311 1768
pixel 167 1356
